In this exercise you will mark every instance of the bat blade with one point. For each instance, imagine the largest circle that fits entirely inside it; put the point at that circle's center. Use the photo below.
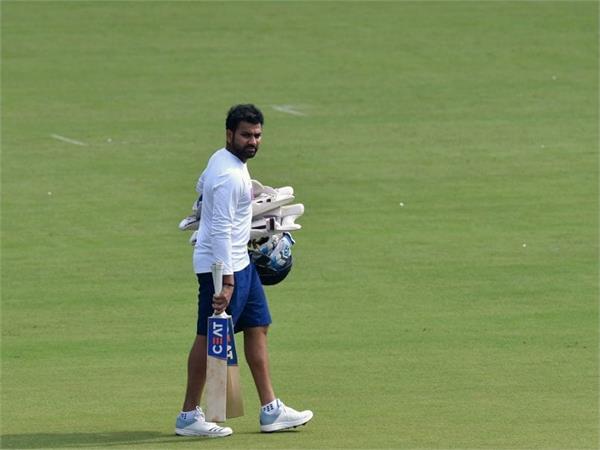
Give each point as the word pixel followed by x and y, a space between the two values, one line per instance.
pixel 216 357
pixel 216 369
pixel 235 400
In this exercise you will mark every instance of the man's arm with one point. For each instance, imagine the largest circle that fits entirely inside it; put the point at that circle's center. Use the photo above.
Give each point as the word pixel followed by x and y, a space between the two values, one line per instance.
pixel 225 199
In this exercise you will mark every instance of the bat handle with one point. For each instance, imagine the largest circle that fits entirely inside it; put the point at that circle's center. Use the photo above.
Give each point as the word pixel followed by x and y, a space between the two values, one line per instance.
pixel 217 276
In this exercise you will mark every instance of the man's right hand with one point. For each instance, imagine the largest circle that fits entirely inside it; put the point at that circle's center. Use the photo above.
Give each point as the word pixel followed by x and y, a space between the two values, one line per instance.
pixel 222 299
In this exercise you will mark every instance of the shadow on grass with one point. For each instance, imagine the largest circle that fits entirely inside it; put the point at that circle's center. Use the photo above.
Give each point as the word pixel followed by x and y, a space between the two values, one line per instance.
pixel 77 440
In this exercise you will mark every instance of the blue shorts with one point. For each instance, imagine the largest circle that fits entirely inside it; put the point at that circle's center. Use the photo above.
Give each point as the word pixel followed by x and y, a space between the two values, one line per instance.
pixel 248 306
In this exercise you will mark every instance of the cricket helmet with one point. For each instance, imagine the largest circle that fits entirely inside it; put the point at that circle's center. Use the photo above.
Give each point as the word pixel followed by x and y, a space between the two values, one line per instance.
pixel 272 257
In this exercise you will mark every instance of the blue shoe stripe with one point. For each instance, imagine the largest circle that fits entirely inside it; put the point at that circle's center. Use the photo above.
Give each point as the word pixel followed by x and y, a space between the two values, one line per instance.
pixel 268 419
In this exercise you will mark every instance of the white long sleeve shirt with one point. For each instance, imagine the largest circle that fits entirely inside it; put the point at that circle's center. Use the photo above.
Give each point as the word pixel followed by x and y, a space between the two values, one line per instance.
pixel 226 215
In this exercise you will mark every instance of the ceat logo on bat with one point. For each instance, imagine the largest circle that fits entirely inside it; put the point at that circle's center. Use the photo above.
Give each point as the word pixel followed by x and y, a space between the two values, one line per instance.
pixel 217 337
pixel 231 352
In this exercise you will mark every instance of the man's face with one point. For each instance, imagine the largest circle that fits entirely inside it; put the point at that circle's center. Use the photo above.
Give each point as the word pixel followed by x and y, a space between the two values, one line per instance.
pixel 245 141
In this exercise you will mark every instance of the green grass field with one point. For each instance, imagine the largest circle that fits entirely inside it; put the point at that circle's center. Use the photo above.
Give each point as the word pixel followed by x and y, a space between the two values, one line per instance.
pixel 445 287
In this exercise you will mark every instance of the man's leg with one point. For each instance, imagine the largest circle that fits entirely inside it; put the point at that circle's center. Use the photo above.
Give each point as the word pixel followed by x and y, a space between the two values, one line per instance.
pixel 274 415
pixel 196 373
pixel 277 416
pixel 191 421
pixel 255 349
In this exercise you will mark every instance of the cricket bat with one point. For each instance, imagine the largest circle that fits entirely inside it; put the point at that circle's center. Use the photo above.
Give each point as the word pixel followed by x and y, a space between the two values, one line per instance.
pixel 223 389
pixel 216 357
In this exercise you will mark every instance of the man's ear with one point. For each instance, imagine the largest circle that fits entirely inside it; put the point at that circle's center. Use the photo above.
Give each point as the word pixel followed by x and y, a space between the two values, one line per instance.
pixel 228 137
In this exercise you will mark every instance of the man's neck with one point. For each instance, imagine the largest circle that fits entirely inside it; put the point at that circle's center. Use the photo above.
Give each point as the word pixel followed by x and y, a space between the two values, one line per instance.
pixel 237 156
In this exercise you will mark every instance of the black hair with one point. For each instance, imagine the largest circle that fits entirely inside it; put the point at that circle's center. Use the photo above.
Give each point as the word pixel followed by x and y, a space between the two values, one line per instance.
pixel 243 113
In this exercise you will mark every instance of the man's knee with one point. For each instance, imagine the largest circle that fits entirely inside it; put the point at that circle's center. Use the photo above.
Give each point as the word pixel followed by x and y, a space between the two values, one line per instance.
pixel 255 345
pixel 256 332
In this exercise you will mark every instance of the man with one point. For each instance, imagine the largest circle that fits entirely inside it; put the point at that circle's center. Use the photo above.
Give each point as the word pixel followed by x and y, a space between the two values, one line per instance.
pixel 223 235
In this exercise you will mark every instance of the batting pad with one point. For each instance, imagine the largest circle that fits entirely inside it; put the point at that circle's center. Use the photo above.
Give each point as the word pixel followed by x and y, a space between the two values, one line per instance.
pixel 277 221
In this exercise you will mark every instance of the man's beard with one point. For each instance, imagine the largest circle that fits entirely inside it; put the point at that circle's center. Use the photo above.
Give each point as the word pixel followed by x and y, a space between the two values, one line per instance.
pixel 244 152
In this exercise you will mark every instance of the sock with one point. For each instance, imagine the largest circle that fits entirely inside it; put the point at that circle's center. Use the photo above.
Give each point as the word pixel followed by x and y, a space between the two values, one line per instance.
pixel 187 414
pixel 270 408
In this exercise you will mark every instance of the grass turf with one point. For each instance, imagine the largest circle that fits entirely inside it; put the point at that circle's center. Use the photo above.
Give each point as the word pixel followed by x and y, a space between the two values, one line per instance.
pixel 445 287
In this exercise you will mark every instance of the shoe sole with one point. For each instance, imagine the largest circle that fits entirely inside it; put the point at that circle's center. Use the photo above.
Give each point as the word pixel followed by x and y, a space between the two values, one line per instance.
pixel 182 432
pixel 283 426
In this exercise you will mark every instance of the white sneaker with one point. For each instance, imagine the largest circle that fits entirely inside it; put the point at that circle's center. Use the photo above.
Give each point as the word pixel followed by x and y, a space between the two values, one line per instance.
pixel 194 424
pixel 283 418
